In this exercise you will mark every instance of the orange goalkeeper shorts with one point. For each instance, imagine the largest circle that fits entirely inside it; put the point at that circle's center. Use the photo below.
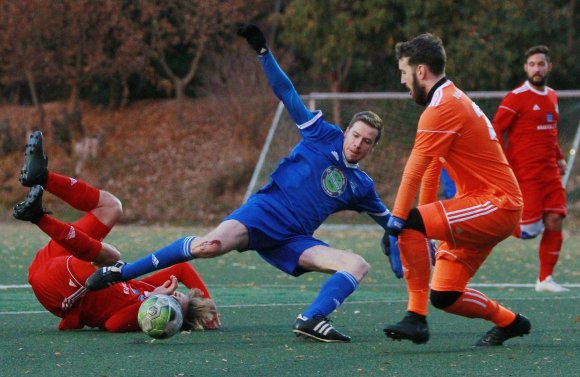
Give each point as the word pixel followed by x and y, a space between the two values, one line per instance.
pixel 469 226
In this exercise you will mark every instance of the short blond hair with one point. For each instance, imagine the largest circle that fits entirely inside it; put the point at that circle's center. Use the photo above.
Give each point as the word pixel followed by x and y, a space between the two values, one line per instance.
pixel 200 310
pixel 371 119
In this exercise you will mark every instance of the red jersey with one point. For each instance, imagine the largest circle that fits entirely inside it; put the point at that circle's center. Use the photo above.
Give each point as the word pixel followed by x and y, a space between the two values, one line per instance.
pixel 530 118
pixel 115 308
pixel 455 133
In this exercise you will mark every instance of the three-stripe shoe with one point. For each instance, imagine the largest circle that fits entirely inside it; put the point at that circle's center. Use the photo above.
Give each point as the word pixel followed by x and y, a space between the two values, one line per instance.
pixel 105 277
pixel 318 328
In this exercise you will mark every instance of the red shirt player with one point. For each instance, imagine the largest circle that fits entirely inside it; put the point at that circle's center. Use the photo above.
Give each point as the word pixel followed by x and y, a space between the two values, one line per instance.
pixel 59 270
pixel 529 116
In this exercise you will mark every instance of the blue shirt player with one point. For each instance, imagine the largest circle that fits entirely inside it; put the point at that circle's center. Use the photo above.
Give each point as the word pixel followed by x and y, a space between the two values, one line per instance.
pixel 320 177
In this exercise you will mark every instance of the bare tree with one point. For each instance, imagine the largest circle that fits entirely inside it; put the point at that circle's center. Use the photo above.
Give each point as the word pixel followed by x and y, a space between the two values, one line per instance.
pixel 180 31
pixel 23 37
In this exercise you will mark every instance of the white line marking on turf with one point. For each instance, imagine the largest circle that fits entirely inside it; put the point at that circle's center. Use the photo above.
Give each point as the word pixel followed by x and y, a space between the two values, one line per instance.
pixel 475 285
pixel 359 302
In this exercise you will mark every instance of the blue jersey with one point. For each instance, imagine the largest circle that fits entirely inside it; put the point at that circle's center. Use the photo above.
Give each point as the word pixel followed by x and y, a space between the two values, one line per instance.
pixel 315 180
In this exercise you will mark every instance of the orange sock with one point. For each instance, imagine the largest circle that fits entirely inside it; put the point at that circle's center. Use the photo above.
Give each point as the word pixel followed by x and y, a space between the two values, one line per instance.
pixel 417 268
pixel 549 252
pixel 474 304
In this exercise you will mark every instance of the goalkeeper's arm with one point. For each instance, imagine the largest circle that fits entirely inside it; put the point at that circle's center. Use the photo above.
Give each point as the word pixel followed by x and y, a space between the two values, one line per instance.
pixel 278 80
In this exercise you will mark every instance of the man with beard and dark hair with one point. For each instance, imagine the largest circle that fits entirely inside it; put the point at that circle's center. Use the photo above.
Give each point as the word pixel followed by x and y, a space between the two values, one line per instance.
pixel 528 115
pixel 453 133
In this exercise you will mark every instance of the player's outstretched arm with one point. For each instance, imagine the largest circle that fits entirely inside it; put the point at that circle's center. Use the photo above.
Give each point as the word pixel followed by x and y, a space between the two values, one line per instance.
pixel 278 80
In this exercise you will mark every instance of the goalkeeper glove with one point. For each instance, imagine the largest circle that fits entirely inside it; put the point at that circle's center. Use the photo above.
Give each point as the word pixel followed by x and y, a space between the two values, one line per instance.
pixel 255 38
pixel 390 246
pixel 395 225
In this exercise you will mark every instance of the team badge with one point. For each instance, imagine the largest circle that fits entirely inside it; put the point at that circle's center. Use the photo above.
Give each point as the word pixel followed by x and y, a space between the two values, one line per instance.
pixel 549 117
pixel 333 181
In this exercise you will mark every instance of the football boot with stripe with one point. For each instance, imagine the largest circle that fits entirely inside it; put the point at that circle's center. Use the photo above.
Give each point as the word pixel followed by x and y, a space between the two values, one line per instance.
pixel 318 328
pixel 105 277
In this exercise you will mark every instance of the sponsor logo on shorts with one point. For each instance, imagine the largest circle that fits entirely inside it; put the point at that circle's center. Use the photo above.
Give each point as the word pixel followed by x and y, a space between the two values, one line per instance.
pixel 333 181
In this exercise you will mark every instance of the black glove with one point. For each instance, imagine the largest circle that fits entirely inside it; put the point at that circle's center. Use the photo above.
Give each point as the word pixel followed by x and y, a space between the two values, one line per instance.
pixel 255 38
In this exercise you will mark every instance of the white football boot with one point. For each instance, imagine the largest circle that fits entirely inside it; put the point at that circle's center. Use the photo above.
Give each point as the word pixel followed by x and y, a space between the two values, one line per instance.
pixel 549 285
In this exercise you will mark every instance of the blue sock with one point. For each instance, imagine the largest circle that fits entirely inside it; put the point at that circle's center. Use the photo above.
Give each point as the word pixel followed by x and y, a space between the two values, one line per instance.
pixel 332 294
pixel 166 256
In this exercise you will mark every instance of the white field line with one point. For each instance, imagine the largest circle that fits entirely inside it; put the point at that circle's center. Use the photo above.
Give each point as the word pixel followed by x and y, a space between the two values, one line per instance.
pixel 475 285
pixel 539 297
pixel 353 302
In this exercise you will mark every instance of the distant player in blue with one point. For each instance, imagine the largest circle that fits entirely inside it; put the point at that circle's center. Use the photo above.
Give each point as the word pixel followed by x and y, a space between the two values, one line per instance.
pixel 320 177
pixel 449 188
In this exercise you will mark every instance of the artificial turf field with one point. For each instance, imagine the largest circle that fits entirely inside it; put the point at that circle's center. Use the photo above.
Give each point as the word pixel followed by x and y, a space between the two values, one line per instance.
pixel 258 305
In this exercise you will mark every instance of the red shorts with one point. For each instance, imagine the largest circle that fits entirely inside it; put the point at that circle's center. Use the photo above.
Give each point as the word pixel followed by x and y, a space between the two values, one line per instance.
pixel 541 198
pixel 60 282
pixel 469 227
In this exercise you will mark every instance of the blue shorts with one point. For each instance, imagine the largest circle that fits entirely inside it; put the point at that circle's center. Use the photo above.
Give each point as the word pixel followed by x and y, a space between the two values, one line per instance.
pixel 273 237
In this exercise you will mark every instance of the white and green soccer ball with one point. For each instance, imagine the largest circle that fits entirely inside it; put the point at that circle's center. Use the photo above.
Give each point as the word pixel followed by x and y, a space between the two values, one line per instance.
pixel 160 316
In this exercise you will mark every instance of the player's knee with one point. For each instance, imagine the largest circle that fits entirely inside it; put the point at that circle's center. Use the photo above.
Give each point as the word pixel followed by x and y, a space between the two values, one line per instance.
pixel 108 255
pixel 443 299
pixel 359 267
pixel 112 204
pixel 553 222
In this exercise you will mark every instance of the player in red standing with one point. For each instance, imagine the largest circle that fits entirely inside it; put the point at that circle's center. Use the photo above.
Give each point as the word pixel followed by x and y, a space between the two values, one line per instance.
pixel 59 270
pixel 529 115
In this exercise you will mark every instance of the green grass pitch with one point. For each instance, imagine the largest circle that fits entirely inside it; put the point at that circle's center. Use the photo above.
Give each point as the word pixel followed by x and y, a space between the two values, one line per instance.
pixel 258 305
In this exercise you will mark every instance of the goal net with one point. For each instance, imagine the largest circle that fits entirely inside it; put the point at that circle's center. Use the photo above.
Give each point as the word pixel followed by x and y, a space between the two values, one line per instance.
pixel 400 115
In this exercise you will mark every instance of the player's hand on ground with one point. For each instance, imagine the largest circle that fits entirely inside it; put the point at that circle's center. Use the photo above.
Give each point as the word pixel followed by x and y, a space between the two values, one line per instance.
pixel 255 37
pixel 390 247
pixel 167 288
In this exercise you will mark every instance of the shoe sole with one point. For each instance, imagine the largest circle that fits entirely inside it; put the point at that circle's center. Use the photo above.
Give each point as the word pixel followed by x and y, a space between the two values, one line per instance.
pixel 307 335
pixel 35 142
pixel 395 335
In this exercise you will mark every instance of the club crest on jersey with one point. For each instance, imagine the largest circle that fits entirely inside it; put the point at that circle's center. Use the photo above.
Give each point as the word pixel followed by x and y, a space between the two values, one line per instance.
pixel 549 117
pixel 333 181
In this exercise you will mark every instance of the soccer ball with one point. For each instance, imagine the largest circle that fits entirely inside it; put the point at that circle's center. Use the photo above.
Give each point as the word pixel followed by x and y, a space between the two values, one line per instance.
pixel 160 316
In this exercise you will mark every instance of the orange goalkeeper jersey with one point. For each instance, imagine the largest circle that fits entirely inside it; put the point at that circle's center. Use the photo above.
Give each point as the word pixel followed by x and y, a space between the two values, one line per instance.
pixel 454 133
pixel 530 119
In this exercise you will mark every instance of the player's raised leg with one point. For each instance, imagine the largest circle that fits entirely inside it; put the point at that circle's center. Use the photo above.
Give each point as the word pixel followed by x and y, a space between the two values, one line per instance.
pixel 227 236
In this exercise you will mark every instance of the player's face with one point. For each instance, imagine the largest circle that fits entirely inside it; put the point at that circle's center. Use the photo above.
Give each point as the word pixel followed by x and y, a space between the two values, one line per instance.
pixel 537 68
pixel 410 80
pixel 359 140
pixel 183 301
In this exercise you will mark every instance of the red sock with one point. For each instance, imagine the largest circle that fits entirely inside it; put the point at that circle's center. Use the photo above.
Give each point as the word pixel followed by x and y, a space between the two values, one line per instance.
pixel 417 268
pixel 549 252
pixel 71 238
pixel 474 304
pixel 77 193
